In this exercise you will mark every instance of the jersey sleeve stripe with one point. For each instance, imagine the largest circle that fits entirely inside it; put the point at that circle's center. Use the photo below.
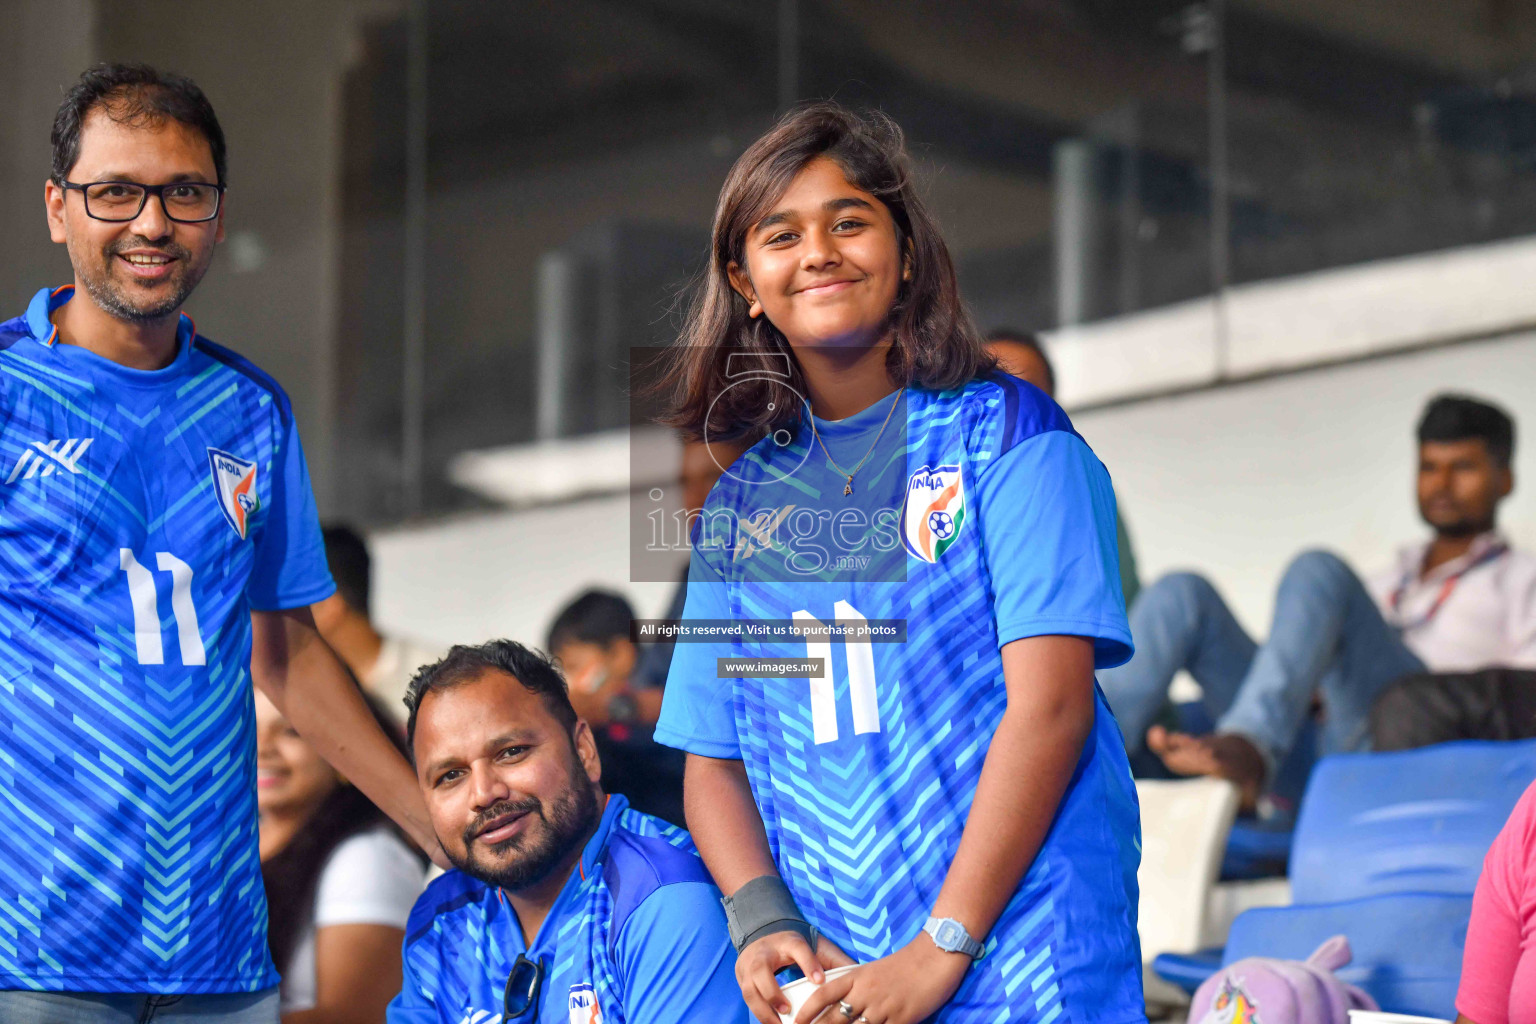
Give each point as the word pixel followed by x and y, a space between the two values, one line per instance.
pixel 249 370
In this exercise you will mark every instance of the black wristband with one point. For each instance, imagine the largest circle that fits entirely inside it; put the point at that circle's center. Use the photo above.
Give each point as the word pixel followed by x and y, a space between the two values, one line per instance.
pixel 761 907
pixel 785 924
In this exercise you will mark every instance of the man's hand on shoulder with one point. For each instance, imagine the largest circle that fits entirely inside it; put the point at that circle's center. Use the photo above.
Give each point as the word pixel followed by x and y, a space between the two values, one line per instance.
pixel 298 671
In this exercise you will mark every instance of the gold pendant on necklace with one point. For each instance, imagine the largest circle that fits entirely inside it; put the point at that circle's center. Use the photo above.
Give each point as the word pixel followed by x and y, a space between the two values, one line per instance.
pixel 848 489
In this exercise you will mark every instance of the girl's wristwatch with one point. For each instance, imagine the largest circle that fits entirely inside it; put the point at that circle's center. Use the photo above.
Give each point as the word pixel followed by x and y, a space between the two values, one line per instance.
pixel 950 936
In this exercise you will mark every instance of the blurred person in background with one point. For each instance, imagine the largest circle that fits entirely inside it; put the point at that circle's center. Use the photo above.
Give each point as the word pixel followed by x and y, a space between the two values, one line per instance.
pixel 591 641
pixel 383 664
pixel 161 552
pixel 1463 600
pixel 568 904
pixel 1020 353
pixel 702 464
pixel 339 880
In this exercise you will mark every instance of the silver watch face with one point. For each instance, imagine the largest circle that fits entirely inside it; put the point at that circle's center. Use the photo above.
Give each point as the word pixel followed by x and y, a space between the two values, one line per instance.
pixel 950 935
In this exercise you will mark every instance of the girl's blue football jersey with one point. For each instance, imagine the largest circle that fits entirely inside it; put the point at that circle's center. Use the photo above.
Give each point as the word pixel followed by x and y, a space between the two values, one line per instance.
pixel 980 518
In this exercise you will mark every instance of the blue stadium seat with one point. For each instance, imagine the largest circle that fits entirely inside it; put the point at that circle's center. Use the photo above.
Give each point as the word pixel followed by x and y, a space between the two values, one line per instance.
pixel 1408 821
pixel 1187 970
pixel 1407 946
pixel 1257 849
pixel 1379 824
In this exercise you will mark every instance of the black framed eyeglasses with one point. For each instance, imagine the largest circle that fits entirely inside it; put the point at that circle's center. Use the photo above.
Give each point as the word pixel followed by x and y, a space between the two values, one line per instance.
pixel 522 993
pixel 188 202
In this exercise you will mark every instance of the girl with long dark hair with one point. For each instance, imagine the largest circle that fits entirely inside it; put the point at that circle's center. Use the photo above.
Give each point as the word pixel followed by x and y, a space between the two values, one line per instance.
pixel 340 880
pixel 939 791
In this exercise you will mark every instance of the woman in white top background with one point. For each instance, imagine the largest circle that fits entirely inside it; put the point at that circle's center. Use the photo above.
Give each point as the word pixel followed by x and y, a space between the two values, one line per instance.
pixel 340 881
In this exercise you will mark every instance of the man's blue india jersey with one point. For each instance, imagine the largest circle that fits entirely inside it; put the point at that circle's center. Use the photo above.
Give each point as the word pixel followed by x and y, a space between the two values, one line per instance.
pixel 143 515
pixel 980 518
pixel 636 935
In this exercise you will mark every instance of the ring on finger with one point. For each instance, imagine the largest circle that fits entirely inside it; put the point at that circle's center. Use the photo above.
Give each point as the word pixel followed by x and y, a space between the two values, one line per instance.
pixel 846 1009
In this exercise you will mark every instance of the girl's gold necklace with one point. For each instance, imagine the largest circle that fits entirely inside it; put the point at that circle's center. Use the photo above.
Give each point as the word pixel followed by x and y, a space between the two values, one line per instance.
pixel 848 488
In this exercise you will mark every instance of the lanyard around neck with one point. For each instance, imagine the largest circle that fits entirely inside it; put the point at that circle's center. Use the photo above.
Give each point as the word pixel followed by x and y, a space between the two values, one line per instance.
pixel 1494 551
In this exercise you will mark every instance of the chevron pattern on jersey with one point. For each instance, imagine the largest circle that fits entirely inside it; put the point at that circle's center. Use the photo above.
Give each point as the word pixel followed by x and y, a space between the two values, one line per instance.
pixel 865 826
pixel 128 853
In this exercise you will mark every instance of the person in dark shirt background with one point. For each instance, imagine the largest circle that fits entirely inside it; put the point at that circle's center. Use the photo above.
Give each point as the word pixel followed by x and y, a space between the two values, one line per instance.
pixel 590 640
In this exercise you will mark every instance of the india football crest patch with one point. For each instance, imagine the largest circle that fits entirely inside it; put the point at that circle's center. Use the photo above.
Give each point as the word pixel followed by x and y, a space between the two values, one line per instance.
pixel 583 1005
pixel 933 511
pixel 234 485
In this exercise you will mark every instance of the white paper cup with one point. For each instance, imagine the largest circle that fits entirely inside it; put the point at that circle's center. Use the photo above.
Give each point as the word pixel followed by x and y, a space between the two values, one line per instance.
pixel 1378 1017
pixel 797 992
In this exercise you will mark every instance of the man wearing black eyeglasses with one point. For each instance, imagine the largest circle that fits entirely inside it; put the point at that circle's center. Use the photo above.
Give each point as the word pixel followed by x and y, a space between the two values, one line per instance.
pixel 567 905
pixel 159 552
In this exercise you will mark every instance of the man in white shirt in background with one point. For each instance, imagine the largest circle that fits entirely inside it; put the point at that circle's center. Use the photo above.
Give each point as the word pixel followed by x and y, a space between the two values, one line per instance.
pixel 384 665
pixel 1464 600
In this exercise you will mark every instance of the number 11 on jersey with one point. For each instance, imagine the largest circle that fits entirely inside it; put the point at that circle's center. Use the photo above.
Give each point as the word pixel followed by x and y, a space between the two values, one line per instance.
pixel 146 609
pixel 861 678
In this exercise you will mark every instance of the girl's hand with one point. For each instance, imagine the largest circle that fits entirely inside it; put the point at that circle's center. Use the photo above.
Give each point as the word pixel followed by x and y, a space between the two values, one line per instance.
pixel 906 987
pixel 757 964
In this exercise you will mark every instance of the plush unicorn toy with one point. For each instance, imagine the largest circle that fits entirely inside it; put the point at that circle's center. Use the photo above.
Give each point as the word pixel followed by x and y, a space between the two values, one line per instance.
pixel 1260 990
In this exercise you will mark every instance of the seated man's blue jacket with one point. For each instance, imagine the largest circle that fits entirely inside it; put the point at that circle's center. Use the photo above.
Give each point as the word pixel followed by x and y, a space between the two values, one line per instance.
pixel 636 935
